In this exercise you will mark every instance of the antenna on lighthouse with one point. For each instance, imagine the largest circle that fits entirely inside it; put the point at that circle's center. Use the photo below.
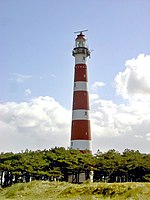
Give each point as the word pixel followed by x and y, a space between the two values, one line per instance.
pixel 80 31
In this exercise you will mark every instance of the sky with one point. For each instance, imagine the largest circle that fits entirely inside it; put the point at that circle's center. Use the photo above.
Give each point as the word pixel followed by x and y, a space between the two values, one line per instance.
pixel 37 71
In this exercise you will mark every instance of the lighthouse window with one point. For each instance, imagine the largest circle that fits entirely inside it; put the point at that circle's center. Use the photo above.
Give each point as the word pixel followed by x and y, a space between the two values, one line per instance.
pixel 79 44
pixel 86 113
pixel 74 84
pixel 84 75
pixel 84 43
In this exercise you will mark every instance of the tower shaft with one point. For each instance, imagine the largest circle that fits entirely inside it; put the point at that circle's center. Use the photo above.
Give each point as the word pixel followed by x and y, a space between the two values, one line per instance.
pixel 80 130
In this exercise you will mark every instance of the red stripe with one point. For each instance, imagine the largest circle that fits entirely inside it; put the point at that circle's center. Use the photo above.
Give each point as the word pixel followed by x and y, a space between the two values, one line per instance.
pixel 81 130
pixel 81 100
pixel 80 73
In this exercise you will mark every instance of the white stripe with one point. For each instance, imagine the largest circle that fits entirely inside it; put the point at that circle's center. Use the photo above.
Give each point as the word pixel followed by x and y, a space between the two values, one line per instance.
pixel 80 115
pixel 81 144
pixel 80 86
pixel 80 59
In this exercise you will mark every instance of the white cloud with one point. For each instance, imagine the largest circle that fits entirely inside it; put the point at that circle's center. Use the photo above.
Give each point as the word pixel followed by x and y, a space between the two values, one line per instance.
pixel 20 78
pixel 120 126
pixel 38 124
pixel 138 136
pixel 93 97
pixel 134 81
pixel 96 85
pixel 148 136
pixel 44 123
pixel 28 92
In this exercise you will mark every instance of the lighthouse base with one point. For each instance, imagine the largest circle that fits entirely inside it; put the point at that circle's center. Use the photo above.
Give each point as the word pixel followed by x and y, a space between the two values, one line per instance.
pixel 78 177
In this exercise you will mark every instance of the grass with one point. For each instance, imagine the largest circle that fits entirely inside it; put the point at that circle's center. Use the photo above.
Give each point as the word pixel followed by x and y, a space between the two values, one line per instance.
pixel 43 190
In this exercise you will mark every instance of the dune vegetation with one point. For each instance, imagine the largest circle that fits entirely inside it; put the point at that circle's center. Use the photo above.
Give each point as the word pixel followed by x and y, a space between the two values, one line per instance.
pixel 58 162
pixel 45 190
pixel 44 175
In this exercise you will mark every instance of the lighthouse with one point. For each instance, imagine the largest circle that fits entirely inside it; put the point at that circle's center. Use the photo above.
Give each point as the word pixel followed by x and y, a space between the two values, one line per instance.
pixel 80 128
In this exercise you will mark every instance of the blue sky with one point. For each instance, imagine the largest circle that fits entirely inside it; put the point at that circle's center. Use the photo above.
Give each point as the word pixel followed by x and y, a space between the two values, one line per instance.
pixel 36 41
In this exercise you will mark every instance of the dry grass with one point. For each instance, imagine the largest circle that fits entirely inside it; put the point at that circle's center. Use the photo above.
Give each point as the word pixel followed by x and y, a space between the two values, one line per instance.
pixel 42 190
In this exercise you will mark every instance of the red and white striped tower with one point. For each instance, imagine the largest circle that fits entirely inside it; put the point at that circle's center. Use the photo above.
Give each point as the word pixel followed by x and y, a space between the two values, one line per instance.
pixel 80 130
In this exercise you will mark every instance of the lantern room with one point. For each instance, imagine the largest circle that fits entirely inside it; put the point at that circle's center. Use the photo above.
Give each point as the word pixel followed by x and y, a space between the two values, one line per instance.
pixel 81 46
pixel 80 41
